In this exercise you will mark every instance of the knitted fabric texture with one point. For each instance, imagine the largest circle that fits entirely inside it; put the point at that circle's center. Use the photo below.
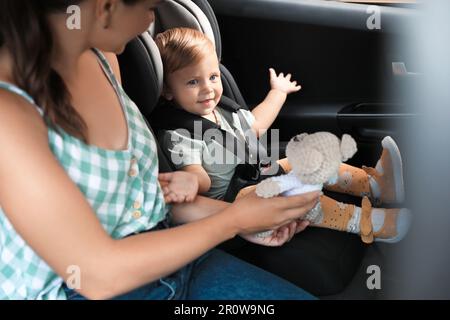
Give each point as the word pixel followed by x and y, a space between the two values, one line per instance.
pixel 315 158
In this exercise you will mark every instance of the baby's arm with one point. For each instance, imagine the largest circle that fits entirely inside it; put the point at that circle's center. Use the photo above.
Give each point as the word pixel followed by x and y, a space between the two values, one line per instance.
pixel 204 182
pixel 178 186
pixel 266 112
pixel 186 154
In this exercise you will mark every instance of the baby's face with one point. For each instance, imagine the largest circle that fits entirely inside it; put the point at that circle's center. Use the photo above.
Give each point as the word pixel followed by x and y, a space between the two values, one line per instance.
pixel 196 88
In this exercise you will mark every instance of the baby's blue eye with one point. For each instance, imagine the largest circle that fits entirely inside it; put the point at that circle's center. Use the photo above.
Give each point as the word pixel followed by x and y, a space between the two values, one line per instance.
pixel 192 82
pixel 214 77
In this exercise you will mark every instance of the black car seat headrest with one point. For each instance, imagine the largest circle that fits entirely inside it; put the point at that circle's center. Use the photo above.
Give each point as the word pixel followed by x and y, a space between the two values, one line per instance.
pixel 188 14
pixel 142 72
pixel 209 13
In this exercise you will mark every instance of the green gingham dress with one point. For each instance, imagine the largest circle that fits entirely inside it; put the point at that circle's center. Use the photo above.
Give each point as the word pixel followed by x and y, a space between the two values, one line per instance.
pixel 121 187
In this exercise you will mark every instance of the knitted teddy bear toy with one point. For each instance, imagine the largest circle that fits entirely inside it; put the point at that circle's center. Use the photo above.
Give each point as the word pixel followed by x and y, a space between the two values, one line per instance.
pixel 315 160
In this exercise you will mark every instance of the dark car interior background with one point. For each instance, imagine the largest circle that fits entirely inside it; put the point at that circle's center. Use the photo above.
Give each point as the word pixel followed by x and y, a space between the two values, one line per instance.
pixel 348 73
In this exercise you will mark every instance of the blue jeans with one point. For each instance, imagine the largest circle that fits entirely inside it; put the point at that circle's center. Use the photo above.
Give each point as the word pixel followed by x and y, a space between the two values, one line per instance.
pixel 214 276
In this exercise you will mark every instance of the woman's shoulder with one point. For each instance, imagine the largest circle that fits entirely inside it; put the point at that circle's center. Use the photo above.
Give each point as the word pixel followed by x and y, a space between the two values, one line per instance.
pixel 114 63
pixel 14 106
pixel 19 115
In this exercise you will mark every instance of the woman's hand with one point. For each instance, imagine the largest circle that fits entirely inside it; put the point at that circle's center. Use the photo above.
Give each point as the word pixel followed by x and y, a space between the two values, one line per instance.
pixel 252 214
pixel 283 83
pixel 178 186
pixel 279 236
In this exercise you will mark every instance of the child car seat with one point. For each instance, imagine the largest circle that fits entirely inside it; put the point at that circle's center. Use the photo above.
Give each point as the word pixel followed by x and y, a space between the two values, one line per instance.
pixel 321 261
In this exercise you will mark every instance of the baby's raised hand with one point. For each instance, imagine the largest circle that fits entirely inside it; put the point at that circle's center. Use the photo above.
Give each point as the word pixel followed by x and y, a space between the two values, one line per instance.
pixel 283 83
pixel 178 186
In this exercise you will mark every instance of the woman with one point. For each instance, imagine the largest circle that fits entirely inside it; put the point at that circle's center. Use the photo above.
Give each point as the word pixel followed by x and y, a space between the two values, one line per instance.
pixel 76 198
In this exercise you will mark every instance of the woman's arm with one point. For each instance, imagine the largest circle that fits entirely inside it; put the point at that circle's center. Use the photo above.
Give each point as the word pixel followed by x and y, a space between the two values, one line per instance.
pixel 159 253
pixel 200 208
pixel 48 210
pixel 204 207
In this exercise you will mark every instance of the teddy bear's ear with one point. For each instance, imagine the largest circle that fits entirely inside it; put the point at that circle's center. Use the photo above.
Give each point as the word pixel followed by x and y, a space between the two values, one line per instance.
pixel 309 160
pixel 294 145
pixel 348 147
pixel 299 137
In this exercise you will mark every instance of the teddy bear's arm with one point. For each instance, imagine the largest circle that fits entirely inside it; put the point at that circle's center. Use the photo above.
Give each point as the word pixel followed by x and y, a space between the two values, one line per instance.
pixel 276 185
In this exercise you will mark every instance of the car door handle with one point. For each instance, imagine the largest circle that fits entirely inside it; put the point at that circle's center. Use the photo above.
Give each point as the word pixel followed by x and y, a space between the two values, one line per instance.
pixel 399 69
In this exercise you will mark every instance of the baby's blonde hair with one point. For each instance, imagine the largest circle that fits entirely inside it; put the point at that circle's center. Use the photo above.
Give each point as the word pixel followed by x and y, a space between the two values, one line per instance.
pixel 182 47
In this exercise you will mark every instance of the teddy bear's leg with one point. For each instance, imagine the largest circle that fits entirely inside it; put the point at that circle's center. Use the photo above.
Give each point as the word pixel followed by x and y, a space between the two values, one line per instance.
pixel 383 184
pixel 373 224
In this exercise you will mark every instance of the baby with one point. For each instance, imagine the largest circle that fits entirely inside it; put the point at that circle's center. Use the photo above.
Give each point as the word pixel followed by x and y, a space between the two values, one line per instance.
pixel 193 89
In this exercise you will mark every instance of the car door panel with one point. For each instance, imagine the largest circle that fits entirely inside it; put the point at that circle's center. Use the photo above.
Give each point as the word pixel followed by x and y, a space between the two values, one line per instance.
pixel 345 69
